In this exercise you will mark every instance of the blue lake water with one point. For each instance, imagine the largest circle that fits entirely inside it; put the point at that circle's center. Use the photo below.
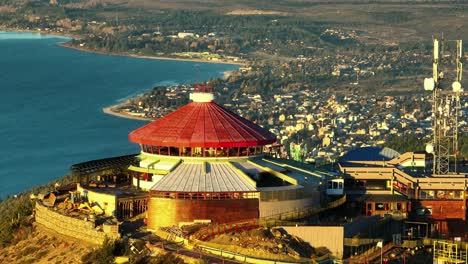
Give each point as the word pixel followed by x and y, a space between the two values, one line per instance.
pixel 51 105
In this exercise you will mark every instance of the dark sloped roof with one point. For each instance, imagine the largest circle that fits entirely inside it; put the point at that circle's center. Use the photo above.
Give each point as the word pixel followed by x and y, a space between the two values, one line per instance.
pixel 370 154
pixel 100 165
pixel 202 124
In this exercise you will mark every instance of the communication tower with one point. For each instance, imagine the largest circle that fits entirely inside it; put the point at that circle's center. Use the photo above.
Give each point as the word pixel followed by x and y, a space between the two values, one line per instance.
pixel 445 111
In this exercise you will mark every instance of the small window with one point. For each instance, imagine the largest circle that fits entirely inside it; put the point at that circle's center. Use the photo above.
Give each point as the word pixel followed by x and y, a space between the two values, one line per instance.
pixel 340 185
pixel 424 211
pixel 379 206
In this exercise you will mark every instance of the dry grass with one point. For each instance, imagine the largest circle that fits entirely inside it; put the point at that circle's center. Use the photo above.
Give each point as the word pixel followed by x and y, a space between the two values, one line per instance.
pixel 44 246
pixel 262 243
pixel 256 12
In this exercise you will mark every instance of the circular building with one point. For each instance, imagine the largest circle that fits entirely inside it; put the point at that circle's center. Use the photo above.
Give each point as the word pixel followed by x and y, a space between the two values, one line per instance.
pixel 203 163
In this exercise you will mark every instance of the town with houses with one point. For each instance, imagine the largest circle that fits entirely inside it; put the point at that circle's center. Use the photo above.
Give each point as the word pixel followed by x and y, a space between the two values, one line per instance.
pixel 328 143
pixel 333 124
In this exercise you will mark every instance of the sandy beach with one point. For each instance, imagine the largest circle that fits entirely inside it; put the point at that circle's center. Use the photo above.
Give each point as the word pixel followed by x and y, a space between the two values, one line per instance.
pixel 111 110
pixel 149 57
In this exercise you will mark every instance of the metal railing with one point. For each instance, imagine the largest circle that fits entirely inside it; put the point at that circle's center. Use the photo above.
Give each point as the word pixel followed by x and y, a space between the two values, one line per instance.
pixel 269 221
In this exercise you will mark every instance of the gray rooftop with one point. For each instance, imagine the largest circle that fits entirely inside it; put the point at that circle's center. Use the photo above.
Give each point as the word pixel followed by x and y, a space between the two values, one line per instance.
pixel 192 177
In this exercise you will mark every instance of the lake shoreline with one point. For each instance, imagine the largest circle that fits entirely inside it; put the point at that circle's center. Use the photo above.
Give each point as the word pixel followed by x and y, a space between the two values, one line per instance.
pixel 113 109
pixel 126 54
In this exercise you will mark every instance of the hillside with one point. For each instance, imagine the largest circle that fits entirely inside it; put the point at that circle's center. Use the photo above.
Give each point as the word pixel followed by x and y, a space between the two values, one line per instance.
pixel 40 245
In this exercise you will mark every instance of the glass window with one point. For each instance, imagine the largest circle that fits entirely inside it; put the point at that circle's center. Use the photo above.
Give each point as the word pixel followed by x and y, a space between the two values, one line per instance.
pixel 197 152
pixel 441 195
pixel 379 206
pixel 221 152
pixel 458 194
pixel 243 151
pixel 164 150
pixel 233 152
pixel 174 151
pixel 426 194
pixel 186 152
pixel 252 151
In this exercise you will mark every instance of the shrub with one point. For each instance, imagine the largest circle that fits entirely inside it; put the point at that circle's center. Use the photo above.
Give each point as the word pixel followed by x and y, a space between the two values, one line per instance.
pixel 167 258
pixel 102 255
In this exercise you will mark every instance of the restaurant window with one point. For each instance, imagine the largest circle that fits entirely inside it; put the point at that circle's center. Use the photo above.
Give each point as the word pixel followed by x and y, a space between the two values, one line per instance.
pixel 221 152
pixel 233 152
pixel 187 152
pixel 164 150
pixel 174 151
pixel 243 151
pixel 252 151
pixel 197 152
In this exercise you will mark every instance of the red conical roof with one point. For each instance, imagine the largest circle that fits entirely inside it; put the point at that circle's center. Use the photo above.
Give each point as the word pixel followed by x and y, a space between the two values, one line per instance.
pixel 202 124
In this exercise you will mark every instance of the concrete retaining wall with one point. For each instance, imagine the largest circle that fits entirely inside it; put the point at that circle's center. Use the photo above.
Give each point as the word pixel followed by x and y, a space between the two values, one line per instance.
pixel 69 226
pixel 279 207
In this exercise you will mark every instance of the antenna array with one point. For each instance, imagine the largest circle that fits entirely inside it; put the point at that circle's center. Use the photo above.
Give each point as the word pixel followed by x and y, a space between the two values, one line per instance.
pixel 445 112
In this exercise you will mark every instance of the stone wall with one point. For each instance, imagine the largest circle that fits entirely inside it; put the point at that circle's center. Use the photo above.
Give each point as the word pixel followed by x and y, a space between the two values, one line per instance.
pixel 70 226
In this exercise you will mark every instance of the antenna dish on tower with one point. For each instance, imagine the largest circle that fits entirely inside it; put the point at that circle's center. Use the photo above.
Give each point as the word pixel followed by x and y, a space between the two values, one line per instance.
pixel 430 148
pixel 429 84
pixel 456 87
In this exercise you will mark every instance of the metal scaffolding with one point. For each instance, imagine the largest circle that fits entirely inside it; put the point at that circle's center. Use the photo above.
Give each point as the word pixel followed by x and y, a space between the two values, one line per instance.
pixel 450 252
